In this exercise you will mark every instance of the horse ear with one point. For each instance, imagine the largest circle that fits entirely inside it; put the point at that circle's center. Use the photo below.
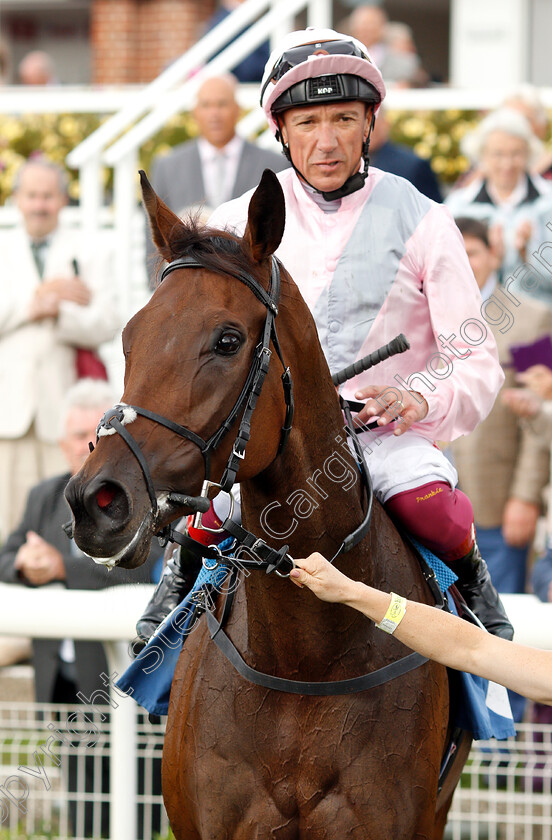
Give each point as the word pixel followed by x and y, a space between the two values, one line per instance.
pixel 163 222
pixel 266 217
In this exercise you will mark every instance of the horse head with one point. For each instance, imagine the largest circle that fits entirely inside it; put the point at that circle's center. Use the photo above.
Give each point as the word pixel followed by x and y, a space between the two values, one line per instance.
pixel 189 354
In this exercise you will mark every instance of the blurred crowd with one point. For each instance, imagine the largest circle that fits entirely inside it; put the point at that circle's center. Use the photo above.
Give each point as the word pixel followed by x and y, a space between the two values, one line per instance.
pixel 57 317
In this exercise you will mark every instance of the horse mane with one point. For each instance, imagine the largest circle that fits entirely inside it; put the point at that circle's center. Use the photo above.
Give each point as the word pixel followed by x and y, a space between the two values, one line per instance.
pixel 218 250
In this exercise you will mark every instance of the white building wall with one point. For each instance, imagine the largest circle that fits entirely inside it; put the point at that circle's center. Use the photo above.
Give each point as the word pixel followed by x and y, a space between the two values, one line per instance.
pixel 490 42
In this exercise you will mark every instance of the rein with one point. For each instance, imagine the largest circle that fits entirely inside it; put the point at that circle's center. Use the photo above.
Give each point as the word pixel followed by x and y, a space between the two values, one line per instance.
pixel 116 419
pixel 266 557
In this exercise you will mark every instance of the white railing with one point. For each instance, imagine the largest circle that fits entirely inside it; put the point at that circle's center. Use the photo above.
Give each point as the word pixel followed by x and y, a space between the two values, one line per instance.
pixel 180 81
pixel 66 99
pixel 70 798
pixel 109 616
pixel 506 789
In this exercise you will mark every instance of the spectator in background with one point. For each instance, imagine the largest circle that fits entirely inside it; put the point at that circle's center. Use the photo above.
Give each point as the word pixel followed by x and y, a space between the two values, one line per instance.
pixel 38 553
pixel 390 45
pixel 251 68
pixel 534 405
pixel 512 201
pixel 37 68
pixel 502 467
pixel 400 160
pixel 215 166
pixel 402 66
pixel 57 293
pixel 527 101
pixel 367 24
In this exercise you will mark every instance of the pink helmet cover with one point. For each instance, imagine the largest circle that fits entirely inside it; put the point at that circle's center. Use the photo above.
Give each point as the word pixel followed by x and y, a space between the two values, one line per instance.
pixel 316 65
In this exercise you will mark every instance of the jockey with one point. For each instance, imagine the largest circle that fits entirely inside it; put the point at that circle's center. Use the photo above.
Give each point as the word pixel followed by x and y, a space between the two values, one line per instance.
pixel 373 257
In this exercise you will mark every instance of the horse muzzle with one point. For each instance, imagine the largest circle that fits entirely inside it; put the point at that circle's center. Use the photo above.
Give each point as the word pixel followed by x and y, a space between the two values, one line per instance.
pixel 106 524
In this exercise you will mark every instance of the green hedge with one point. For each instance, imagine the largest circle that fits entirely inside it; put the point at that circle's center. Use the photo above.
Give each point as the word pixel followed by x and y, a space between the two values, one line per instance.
pixel 55 135
pixel 434 135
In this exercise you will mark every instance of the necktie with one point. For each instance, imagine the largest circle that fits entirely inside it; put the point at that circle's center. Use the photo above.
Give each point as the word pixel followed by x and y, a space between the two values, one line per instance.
pixel 219 187
pixel 38 249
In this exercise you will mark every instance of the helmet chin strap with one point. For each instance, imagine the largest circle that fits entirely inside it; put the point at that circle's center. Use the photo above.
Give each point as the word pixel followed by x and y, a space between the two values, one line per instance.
pixel 352 184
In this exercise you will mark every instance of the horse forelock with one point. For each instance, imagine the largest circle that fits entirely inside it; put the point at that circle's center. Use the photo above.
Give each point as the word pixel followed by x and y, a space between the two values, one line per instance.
pixel 217 250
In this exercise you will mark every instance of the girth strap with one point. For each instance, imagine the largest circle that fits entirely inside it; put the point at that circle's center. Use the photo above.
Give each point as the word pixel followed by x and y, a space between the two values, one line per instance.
pixel 318 689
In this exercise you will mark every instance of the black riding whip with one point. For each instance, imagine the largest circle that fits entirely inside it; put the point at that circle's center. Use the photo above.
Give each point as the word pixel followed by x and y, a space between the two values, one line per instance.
pixel 397 345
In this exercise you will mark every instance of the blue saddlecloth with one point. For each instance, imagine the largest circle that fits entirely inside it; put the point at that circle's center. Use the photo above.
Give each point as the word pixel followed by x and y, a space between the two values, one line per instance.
pixel 485 708
pixel 148 679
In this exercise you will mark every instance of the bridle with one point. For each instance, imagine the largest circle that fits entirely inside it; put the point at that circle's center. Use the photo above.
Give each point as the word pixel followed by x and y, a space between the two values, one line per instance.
pixel 116 419
pixel 265 557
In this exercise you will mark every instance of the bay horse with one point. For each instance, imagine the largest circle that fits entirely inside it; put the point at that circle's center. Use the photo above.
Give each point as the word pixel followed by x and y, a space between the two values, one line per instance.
pixel 241 760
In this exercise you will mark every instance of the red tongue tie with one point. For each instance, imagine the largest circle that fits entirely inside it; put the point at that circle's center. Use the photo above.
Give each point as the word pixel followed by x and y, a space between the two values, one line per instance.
pixel 105 496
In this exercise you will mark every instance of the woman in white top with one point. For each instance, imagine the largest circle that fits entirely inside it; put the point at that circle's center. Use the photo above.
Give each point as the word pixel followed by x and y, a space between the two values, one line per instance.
pixel 505 193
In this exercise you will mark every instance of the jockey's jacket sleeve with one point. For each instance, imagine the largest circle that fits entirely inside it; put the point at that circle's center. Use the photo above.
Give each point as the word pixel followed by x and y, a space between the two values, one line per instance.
pixel 390 261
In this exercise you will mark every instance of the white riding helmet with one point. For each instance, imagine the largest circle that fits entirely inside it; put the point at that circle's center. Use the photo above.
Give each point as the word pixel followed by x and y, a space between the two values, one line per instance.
pixel 317 66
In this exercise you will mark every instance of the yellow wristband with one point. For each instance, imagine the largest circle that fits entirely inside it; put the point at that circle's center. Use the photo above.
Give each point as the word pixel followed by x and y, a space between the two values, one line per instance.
pixel 394 615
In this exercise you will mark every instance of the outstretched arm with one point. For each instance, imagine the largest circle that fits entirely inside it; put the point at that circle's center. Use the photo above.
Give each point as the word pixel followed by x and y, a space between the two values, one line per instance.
pixel 436 634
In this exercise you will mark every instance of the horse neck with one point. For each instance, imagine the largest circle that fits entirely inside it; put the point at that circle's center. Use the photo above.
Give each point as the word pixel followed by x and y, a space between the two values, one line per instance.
pixel 319 511
pixel 316 472
pixel 295 501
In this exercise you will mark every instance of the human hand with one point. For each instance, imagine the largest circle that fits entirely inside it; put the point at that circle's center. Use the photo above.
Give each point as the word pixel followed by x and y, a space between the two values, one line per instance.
pixel 322 578
pixel 522 236
pixel 539 379
pixel 389 404
pixel 44 304
pixel 39 561
pixel 69 288
pixel 521 401
pixel 519 522
pixel 496 241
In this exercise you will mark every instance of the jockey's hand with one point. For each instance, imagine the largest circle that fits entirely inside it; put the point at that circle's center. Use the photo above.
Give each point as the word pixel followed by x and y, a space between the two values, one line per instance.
pixel 322 578
pixel 519 522
pixel 389 404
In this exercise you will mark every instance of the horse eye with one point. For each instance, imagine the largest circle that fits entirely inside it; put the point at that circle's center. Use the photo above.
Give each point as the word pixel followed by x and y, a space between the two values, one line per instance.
pixel 228 344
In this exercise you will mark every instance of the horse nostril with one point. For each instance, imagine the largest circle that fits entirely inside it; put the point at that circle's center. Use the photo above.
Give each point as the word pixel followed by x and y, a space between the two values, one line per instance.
pixel 105 495
pixel 109 499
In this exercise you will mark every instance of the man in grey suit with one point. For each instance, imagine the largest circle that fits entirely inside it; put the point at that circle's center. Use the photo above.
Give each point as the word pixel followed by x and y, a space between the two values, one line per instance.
pixel 38 553
pixel 215 166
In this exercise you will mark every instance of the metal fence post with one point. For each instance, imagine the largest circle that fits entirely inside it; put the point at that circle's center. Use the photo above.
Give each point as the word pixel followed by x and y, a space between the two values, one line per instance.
pixel 123 776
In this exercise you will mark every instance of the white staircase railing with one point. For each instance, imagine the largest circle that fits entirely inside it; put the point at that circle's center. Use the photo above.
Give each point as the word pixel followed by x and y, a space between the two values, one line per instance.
pixel 173 91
